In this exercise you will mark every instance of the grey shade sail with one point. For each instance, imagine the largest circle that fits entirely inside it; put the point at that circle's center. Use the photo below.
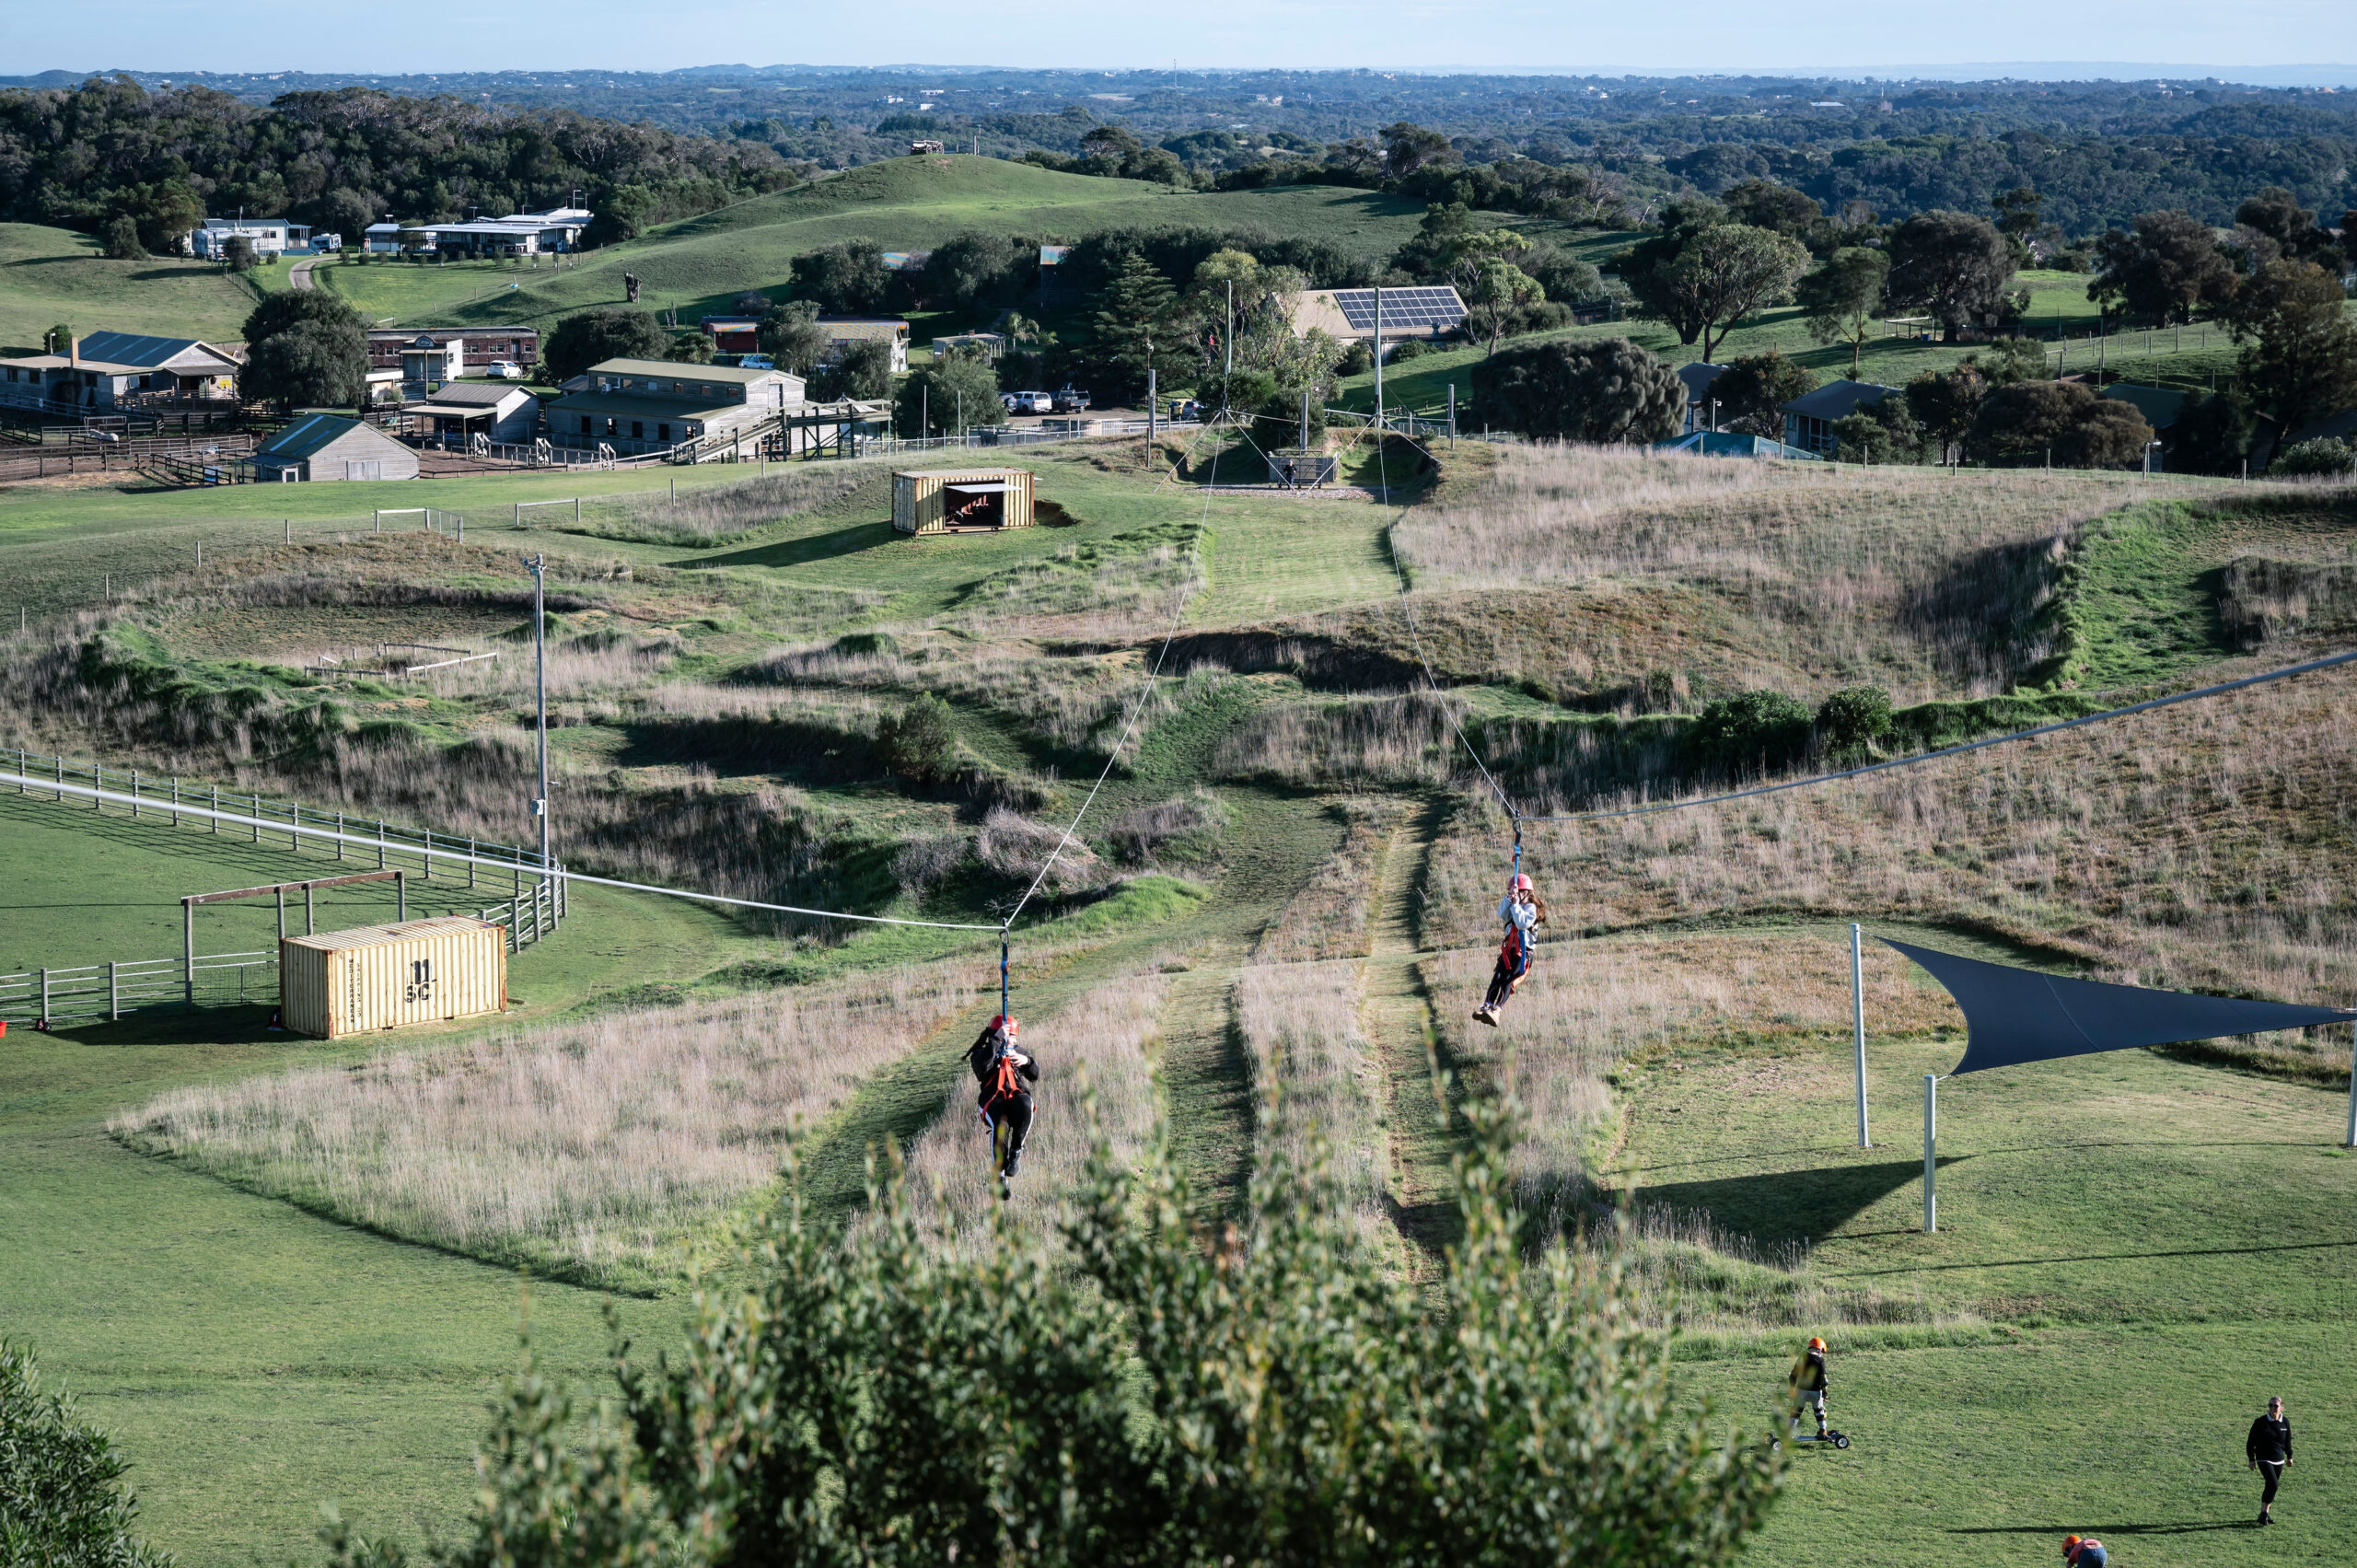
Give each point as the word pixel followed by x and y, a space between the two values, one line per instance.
pixel 2016 1016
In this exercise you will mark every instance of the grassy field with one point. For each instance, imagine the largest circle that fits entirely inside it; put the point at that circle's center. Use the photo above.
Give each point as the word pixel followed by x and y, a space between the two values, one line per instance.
pixel 1285 885
pixel 701 264
pixel 48 275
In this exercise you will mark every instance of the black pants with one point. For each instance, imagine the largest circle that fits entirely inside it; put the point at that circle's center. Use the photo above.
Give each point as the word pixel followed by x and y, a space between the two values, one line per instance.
pixel 1015 1111
pixel 1501 980
pixel 2273 1471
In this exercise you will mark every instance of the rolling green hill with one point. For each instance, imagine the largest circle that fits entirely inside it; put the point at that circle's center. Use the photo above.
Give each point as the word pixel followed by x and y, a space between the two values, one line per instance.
pixel 48 275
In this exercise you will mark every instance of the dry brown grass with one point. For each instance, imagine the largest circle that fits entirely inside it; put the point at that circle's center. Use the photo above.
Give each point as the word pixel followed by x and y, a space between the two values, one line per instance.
pixel 605 1150
pixel 2207 847
pixel 1911 576
pixel 1095 1051
pixel 1313 1072
pixel 720 514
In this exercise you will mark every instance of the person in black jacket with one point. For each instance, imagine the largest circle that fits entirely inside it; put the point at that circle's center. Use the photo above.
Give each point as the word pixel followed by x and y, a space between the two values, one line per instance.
pixel 1006 1074
pixel 2269 1448
pixel 1808 1386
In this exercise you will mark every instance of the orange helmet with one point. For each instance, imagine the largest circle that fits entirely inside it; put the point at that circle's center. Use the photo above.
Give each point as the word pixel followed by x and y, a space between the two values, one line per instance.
pixel 1521 883
pixel 1006 1025
pixel 2070 1546
pixel 1815 1345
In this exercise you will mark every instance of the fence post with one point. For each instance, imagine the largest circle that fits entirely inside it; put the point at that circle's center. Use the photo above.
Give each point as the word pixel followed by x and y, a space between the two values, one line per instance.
pixel 20 770
pixel 176 800
pixel 471 863
pixel 61 781
pixel 310 910
pixel 515 922
pixel 295 826
pixel 97 783
pixel 427 836
pixel 44 996
pixel 338 835
pixel 256 818
pixel 135 795
pixel 1930 1144
pixel 114 995
pixel 281 891
pixel 400 897
pixel 188 949
pixel 216 809
pixel 380 846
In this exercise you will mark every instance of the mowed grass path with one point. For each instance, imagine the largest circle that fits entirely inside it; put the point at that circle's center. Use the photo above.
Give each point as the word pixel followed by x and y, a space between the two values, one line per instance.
pixel 2145 1249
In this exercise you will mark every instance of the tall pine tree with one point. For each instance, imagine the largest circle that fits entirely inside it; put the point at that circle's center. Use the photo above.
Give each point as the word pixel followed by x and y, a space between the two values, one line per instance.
pixel 1137 325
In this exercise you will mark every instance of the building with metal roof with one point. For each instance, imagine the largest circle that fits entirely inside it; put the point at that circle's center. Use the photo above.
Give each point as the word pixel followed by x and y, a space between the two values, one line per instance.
pixel 459 411
pixel 1809 418
pixel 327 446
pixel 1349 314
pixel 2159 405
pixel 114 370
pixel 648 405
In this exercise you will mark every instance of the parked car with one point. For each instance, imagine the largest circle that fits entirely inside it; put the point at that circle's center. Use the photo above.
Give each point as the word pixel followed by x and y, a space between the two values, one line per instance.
pixel 1068 399
pixel 755 362
pixel 504 371
pixel 1185 409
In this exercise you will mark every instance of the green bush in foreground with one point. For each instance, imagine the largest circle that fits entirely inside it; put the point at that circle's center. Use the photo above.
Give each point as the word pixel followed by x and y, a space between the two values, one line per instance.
pixel 1149 1394
pixel 62 1504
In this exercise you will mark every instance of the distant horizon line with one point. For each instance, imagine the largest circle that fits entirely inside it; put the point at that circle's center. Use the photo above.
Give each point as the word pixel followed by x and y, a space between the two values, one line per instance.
pixel 2330 74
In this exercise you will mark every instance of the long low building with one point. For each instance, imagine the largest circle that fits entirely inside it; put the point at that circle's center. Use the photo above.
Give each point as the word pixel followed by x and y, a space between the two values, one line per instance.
pixel 464 351
pixel 556 231
pixel 648 405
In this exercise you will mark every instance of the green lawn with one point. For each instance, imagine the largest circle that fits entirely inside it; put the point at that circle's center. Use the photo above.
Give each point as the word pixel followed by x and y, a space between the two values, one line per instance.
pixel 2133 1252
pixel 49 275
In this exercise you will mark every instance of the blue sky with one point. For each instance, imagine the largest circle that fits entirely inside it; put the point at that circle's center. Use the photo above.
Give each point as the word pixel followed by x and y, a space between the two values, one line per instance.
pixel 396 36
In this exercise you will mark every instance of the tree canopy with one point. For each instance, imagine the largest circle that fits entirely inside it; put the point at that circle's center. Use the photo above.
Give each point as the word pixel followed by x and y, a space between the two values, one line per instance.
pixel 609 332
pixel 1609 391
pixel 2166 269
pixel 1954 266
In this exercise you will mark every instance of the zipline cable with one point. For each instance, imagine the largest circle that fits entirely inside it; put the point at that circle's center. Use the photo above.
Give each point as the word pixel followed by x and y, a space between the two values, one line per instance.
pixel 2218 690
pixel 1153 675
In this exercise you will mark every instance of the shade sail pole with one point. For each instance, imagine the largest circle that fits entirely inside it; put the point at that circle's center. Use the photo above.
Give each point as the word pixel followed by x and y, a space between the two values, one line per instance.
pixel 1858 1018
pixel 1931 1143
pixel 2351 1142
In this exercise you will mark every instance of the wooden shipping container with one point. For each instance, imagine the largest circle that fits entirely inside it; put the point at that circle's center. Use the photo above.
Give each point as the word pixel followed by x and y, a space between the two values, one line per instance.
pixel 382 977
pixel 961 500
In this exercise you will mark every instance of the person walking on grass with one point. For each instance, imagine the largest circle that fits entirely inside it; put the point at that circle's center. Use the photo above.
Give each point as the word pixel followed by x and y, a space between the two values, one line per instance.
pixel 1808 1386
pixel 1524 911
pixel 2084 1551
pixel 2269 1449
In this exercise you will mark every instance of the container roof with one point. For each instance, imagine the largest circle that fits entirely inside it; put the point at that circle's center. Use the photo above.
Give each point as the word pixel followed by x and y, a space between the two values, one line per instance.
pixel 951 475
pixel 677 370
pixel 378 935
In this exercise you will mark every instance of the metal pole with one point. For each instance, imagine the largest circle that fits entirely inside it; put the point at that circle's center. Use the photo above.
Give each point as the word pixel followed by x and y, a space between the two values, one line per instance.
pixel 338 835
pixel 311 912
pixel 188 949
pixel 114 995
pixel 538 564
pixel 1378 368
pixel 1931 1144
pixel 1153 394
pixel 281 891
pixel 2351 1142
pixel 401 895
pixel 1858 1017
pixel 1452 413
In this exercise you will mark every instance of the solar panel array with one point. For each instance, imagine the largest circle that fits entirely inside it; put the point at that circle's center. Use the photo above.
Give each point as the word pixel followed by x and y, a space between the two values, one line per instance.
pixel 1407 309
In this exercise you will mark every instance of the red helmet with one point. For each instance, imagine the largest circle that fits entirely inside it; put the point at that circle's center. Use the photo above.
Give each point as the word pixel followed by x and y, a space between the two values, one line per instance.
pixel 1521 883
pixel 1005 1026
pixel 1815 1345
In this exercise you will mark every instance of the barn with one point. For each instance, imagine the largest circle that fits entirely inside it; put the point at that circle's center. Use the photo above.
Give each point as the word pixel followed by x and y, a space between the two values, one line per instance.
pixel 326 446
pixel 961 500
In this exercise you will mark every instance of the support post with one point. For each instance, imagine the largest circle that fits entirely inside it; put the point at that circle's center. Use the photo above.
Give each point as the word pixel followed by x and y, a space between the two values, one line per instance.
pixel 471 863
pixel 380 846
pixel 401 896
pixel 44 995
pixel 1153 396
pixel 311 912
pixel 114 995
pixel 281 891
pixel 338 835
pixel 187 950
pixel 2351 1142
pixel 1452 413
pixel 1931 1148
pixel 216 809
pixel 1858 1018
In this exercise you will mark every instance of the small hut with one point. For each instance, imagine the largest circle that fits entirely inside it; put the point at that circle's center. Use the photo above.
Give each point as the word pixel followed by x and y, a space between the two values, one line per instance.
pixel 961 500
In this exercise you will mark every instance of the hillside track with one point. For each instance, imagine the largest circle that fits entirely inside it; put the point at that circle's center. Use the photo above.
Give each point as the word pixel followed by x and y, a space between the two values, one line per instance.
pixel 1397 1016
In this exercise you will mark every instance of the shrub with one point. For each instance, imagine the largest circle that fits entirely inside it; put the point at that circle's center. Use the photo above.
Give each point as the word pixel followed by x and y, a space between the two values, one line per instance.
pixel 2022 423
pixel 122 240
pixel 1853 719
pixel 1604 391
pixel 1409 348
pixel 61 1497
pixel 1749 731
pixel 1357 360
pixel 1145 1393
pixel 921 741
pixel 610 332
pixel 2323 456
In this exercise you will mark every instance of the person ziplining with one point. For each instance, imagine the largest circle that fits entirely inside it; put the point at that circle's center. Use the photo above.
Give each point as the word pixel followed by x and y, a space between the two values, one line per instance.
pixel 1006 1076
pixel 1522 912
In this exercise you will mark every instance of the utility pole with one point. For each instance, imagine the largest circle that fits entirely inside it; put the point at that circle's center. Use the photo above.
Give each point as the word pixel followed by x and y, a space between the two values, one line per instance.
pixel 1378 366
pixel 1153 398
pixel 539 566
pixel 1228 344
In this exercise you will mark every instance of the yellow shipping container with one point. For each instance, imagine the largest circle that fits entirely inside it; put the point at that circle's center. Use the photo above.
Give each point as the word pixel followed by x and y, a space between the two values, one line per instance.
pixel 382 977
pixel 961 500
